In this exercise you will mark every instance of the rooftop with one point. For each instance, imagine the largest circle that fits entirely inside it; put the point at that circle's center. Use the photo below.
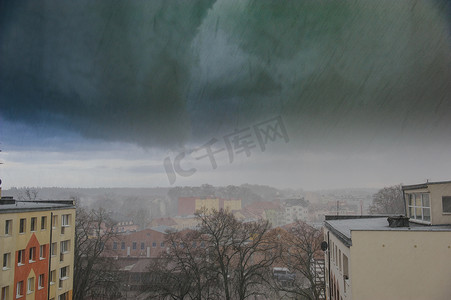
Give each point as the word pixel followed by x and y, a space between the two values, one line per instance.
pixel 423 185
pixel 9 205
pixel 342 228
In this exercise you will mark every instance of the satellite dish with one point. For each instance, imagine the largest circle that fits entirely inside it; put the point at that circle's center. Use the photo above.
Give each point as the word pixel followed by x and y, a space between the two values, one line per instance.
pixel 324 246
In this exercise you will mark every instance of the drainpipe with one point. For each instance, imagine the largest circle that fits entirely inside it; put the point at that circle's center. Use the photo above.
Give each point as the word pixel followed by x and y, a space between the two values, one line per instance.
pixel 50 256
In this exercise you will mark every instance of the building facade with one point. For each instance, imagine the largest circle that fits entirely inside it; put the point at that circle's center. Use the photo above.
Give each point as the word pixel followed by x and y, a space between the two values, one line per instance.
pixel 396 257
pixel 189 205
pixel 36 248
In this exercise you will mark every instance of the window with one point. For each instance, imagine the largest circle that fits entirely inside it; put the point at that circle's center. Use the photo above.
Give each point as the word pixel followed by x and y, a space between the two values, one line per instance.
pixel 41 282
pixel 419 207
pixel 123 245
pixel 43 222
pixel 22 226
pixel 30 285
pixel 52 276
pixel 143 246
pixel 446 204
pixel 65 246
pixel 33 224
pixel 114 245
pixel 64 296
pixel 42 252
pixel 6 261
pixel 64 272
pixel 53 249
pixel 5 293
pixel 134 245
pixel 32 256
pixel 19 289
pixel 8 227
pixel 54 221
pixel 154 244
pixel 162 244
pixel 20 257
pixel 65 220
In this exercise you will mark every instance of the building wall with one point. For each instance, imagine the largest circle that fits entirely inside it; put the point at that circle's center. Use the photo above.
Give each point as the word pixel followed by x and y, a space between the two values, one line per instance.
pixel 16 241
pixel 437 191
pixel 400 265
pixel 208 203
pixel 232 204
pixel 151 239
pixel 337 284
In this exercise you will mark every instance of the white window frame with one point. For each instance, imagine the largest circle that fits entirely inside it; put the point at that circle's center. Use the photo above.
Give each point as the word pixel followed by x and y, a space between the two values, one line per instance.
pixel 8 227
pixel 66 271
pixel 41 252
pixel 32 255
pixel 41 280
pixel 52 277
pixel 5 292
pixel 33 224
pixel 22 229
pixel 6 261
pixel 413 206
pixel 19 289
pixel 21 257
pixel 30 285
pixel 43 224
pixel 65 246
pixel 65 220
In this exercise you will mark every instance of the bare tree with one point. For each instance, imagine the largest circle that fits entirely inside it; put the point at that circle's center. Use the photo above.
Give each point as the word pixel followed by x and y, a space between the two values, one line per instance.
pixel 240 253
pixel 30 194
pixel 183 272
pixel 94 276
pixel 388 200
pixel 302 256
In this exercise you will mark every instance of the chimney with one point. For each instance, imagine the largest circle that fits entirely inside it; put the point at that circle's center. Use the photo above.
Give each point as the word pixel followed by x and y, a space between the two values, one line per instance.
pixel 398 221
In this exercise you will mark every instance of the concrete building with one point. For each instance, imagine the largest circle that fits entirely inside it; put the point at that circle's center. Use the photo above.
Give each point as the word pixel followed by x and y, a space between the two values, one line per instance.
pixel 36 249
pixel 295 209
pixel 373 257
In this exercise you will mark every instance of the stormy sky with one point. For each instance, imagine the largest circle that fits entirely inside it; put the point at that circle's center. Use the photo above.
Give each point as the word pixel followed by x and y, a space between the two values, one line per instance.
pixel 135 93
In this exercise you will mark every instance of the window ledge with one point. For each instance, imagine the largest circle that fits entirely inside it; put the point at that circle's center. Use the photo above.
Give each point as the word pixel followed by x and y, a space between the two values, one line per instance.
pixel 20 264
pixel 31 261
pixel 19 296
pixel 40 287
pixel 29 292
pixel 41 258
pixel 5 268
pixel 52 283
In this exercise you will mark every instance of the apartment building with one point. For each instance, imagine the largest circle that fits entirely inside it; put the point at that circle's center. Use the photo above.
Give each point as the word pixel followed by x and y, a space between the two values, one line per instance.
pixel 36 249
pixel 394 257
pixel 189 205
pixel 143 243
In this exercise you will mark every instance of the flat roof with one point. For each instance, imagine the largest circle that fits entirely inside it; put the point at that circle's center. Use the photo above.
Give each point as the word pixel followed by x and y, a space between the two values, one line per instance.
pixel 24 206
pixel 343 228
pixel 423 185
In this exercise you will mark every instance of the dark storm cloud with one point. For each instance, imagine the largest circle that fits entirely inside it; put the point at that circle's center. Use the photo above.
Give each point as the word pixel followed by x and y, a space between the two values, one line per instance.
pixel 161 73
